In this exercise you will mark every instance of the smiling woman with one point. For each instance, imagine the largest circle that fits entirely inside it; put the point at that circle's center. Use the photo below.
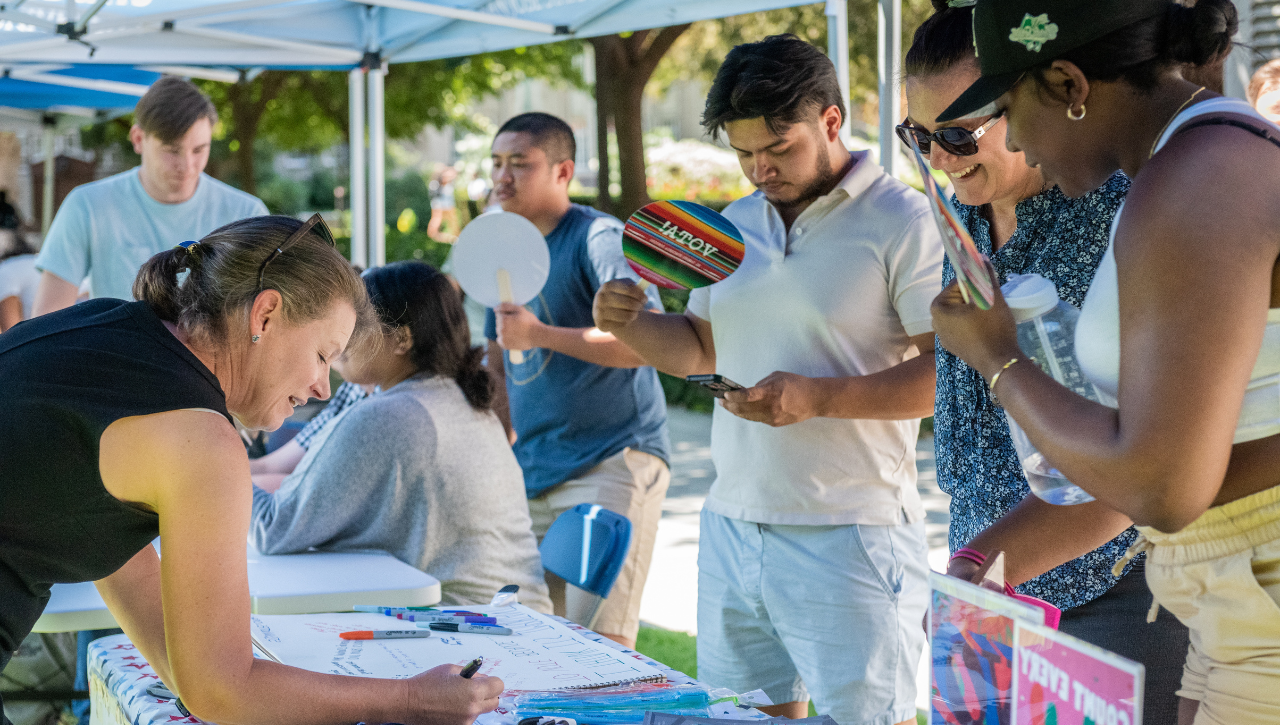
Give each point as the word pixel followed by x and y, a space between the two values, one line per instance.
pixel 1025 225
pixel 117 422
pixel 1181 322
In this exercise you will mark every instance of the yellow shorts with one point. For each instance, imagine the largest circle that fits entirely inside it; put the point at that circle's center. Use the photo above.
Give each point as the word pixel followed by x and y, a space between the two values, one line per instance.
pixel 1221 577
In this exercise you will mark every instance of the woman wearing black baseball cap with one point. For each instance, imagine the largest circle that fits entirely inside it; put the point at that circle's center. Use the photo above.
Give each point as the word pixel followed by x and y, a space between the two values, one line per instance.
pixel 1180 321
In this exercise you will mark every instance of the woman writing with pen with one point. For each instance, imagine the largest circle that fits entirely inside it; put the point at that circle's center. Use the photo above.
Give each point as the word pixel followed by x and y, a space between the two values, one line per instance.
pixel 117 419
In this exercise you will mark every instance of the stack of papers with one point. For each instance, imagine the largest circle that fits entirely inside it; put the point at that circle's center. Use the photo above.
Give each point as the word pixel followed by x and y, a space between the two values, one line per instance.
pixel 541 654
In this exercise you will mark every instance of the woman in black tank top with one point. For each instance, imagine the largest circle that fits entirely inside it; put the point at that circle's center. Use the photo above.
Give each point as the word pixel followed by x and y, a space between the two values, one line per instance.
pixel 117 422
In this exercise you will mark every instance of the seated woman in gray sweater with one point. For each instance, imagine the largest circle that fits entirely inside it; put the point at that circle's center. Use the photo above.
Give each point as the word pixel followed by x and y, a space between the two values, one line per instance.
pixel 422 470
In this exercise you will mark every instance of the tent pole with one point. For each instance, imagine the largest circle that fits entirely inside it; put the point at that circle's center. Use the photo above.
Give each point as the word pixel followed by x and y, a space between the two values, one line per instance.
pixel 838 51
pixel 377 168
pixel 46 209
pixel 356 192
pixel 889 61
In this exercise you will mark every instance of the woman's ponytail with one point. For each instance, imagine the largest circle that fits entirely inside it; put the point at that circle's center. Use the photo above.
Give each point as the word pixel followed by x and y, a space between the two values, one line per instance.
pixel 157 283
pixel 474 379
pixel 1200 33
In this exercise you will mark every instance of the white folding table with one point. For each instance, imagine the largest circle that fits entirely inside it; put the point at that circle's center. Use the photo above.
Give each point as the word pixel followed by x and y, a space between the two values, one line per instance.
pixel 283 584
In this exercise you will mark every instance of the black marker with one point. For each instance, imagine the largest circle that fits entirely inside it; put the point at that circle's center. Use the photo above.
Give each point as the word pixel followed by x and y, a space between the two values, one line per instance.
pixel 472 667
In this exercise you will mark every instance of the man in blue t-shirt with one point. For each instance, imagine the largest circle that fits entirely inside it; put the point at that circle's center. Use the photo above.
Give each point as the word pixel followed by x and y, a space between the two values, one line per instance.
pixel 589 418
pixel 107 229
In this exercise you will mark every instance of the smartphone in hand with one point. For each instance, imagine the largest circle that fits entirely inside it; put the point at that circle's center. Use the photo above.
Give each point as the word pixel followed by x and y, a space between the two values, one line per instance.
pixel 716 383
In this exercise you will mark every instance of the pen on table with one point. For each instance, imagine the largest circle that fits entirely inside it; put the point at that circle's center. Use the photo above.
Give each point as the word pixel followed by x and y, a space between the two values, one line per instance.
pixel 385 634
pixel 393 611
pixel 465 628
pixel 450 618
pixel 472 668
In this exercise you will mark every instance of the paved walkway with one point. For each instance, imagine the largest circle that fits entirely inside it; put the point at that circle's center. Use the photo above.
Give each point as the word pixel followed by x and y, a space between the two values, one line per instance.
pixel 671 593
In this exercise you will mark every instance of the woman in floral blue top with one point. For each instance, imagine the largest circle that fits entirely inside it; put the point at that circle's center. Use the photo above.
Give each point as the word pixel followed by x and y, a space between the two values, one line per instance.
pixel 1062 554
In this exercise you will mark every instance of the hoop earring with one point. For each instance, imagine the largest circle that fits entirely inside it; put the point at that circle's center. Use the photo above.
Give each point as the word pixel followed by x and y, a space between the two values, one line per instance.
pixel 255 338
pixel 1074 117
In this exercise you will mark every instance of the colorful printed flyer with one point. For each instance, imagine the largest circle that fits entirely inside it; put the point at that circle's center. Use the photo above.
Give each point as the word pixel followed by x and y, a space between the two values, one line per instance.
pixel 971 636
pixel 968 263
pixel 1061 680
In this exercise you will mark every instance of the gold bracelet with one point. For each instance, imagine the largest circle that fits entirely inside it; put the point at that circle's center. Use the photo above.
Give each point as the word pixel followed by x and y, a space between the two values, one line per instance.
pixel 991 387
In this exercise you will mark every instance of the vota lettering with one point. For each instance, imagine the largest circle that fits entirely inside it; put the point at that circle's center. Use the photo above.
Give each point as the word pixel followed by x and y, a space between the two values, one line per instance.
pixel 680 236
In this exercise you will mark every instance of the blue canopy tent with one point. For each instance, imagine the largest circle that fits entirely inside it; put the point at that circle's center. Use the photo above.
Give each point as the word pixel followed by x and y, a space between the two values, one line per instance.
pixel 366 35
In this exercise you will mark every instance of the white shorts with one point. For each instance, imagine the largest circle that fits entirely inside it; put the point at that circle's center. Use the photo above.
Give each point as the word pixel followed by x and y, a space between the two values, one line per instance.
pixel 835 611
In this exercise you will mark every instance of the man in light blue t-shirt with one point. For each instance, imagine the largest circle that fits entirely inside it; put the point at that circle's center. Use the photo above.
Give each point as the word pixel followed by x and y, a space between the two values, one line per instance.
pixel 105 230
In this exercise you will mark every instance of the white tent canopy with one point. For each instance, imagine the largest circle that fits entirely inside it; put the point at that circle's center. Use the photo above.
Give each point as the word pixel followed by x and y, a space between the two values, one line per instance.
pixel 366 35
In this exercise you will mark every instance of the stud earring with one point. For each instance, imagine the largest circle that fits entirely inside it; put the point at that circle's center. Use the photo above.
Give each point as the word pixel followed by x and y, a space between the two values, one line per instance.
pixel 255 338
pixel 1074 117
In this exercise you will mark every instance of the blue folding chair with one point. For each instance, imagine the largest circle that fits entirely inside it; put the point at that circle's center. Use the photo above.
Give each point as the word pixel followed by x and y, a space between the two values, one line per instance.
pixel 586 546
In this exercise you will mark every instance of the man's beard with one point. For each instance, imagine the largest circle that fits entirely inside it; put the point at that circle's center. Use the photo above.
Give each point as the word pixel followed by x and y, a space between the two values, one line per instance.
pixel 821 185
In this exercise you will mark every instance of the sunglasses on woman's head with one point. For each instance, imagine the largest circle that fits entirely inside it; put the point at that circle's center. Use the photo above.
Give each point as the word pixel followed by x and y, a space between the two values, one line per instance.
pixel 316 223
pixel 953 139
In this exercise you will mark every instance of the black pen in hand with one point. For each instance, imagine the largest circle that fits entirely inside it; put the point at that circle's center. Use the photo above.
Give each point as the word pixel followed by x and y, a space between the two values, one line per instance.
pixel 472 667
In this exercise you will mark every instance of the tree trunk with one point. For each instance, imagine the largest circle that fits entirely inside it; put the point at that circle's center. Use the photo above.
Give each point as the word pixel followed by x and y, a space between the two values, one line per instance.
pixel 249 101
pixel 623 67
pixel 604 200
pixel 631 166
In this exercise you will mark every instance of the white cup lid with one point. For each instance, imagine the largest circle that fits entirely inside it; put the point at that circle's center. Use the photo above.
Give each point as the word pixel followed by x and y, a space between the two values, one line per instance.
pixel 1029 296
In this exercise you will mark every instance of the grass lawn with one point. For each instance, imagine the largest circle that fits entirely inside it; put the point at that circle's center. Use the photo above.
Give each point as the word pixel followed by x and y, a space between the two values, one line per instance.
pixel 679 651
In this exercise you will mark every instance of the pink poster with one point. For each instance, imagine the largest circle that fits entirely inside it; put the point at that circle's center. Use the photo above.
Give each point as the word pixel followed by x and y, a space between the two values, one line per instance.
pixel 1061 680
pixel 971 636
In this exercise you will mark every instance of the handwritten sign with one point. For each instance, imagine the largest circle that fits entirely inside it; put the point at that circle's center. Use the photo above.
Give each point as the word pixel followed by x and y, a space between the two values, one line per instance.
pixel 1061 680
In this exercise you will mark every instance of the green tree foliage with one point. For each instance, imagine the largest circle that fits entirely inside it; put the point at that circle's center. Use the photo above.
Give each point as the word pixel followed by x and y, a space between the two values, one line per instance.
pixel 701 49
pixel 307 110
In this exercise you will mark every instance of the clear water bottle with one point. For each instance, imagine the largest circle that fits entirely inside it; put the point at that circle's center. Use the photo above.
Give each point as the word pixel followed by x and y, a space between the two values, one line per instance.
pixel 1047 332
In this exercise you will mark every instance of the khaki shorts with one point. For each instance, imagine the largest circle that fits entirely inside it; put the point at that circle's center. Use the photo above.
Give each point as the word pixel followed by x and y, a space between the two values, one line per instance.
pixel 632 483
pixel 1221 577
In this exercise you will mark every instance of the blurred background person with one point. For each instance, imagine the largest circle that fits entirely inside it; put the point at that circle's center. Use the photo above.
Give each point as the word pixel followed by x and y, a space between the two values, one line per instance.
pixel 1264 90
pixel 444 206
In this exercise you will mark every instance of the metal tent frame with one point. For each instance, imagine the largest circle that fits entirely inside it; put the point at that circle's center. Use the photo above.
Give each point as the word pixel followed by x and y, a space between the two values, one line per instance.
pixel 364 36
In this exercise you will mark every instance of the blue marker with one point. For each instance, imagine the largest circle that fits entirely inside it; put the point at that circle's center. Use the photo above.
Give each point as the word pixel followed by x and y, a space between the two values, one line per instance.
pixel 465 628
pixel 448 618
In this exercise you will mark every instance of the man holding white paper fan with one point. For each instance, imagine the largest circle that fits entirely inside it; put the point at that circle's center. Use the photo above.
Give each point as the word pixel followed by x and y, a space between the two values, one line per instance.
pixel 588 415
pixel 812 560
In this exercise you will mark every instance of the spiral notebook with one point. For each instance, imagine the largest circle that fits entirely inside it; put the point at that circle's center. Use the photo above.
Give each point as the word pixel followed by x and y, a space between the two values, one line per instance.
pixel 541 654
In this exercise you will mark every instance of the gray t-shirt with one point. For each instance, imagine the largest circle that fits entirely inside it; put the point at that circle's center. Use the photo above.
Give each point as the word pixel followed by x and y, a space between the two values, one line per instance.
pixel 112 226
pixel 417 472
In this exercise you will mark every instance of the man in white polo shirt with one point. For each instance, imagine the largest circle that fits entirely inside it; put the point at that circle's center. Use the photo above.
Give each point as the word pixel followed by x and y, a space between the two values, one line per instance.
pixel 812 572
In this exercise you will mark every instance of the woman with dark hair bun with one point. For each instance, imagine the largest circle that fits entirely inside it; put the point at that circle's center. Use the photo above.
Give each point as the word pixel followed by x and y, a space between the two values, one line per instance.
pixel 118 425
pixel 1026 225
pixel 421 469
pixel 1181 322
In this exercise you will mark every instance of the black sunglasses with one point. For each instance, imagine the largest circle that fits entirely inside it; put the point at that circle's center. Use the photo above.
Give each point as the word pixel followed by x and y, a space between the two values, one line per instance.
pixel 953 139
pixel 316 223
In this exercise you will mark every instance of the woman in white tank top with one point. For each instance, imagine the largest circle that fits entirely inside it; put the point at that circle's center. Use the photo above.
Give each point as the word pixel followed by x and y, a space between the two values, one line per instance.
pixel 1181 330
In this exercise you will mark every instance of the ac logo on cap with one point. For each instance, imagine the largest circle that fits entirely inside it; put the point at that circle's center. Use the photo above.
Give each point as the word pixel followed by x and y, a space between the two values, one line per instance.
pixel 1034 32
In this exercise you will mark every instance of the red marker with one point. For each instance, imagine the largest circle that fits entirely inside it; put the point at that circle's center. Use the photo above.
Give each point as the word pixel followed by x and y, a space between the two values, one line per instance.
pixel 387 634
